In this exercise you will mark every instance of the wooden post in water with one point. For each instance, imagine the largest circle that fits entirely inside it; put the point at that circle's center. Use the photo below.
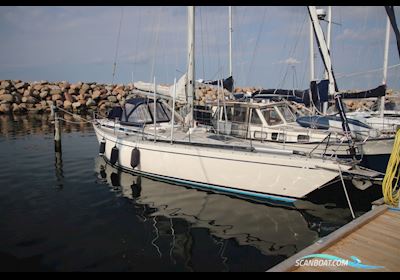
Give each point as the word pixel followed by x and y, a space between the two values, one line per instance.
pixel 57 130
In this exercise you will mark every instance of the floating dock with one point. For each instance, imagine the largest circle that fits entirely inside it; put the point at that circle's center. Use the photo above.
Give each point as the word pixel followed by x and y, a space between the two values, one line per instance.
pixel 373 238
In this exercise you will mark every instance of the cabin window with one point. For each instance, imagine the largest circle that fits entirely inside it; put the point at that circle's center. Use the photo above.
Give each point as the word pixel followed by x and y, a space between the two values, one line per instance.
pixel 167 111
pixel 255 119
pixel 140 115
pixel 228 113
pixel 271 116
pixel 275 136
pixel 161 115
pixel 303 138
pixel 287 114
pixel 239 114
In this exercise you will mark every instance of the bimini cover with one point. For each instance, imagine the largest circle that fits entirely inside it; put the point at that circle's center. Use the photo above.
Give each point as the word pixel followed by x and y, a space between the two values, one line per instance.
pixel 115 113
pixel 139 111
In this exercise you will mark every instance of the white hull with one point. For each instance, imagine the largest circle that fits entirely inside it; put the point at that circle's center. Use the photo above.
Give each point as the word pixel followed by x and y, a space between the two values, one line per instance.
pixel 249 173
pixel 379 146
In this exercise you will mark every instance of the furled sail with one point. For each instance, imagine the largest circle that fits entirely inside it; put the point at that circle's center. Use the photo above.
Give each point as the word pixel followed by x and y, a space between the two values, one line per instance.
pixel 226 83
pixel 319 93
pixel 375 92
pixel 166 91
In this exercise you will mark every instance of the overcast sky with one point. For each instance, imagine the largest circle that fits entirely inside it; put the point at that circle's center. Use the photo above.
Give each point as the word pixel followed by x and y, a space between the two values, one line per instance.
pixel 270 45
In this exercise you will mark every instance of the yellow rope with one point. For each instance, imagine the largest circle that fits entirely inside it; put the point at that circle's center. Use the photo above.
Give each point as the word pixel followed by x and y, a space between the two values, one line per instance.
pixel 390 184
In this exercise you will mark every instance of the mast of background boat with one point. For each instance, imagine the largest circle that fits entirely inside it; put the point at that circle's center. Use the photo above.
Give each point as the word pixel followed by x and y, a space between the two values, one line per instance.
pixel 191 69
pixel 328 37
pixel 385 65
pixel 230 41
pixel 325 105
pixel 312 71
pixel 325 55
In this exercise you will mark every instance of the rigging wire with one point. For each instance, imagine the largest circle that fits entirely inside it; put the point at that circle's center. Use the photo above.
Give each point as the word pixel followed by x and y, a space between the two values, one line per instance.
pixel 292 51
pixel 238 42
pixel 366 72
pixel 117 47
pixel 152 73
pixel 202 41
pixel 357 62
pixel 138 26
pixel 256 45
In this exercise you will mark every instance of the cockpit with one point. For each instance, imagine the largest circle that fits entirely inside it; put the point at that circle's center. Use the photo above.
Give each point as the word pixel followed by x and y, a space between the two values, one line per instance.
pixel 140 111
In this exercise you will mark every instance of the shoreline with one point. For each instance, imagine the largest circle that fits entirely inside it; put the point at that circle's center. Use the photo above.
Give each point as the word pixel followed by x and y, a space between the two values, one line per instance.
pixel 21 97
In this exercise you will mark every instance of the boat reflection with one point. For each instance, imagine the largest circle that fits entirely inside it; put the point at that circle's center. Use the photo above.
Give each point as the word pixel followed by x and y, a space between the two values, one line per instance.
pixel 272 230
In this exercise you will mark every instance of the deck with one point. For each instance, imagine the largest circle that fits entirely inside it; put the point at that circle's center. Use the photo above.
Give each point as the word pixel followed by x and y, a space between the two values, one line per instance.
pixel 374 238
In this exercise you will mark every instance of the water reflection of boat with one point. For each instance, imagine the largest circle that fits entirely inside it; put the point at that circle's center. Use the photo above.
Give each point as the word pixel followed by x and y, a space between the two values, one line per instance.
pixel 272 230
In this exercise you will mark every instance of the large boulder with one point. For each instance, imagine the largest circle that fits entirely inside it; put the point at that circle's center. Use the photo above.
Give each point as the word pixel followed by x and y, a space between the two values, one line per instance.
pixel 15 108
pixel 67 96
pixel 76 105
pixel 56 91
pixel 5 108
pixel 7 98
pixel 56 97
pixel 29 100
pixel 112 99
pixel 5 85
pixel 96 94
pixel 67 104
pixel 43 94
pixel 90 102
pixel 21 85
pixel 84 88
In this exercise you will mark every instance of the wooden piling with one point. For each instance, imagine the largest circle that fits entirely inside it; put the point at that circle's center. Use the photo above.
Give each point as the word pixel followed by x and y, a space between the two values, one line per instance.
pixel 57 132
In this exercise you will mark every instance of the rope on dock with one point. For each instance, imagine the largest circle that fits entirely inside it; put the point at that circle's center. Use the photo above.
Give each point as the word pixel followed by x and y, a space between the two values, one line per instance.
pixel 390 184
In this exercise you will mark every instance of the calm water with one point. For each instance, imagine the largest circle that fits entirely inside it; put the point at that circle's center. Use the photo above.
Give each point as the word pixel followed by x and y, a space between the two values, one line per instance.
pixel 77 213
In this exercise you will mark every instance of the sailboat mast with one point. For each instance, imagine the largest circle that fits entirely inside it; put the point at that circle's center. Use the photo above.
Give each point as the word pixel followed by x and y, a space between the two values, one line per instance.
pixel 385 65
pixel 230 41
pixel 312 71
pixel 191 69
pixel 328 39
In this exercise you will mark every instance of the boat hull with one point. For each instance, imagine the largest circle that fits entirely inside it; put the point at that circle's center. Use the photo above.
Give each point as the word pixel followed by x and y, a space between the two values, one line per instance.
pixel 247 173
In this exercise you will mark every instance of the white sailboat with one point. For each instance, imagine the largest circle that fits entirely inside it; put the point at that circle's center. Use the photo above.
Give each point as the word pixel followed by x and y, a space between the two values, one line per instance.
pixel 147 139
